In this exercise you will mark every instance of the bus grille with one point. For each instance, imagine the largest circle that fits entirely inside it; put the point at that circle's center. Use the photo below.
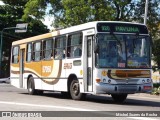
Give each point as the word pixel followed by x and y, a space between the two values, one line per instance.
pixel 127 88
pixel 129 81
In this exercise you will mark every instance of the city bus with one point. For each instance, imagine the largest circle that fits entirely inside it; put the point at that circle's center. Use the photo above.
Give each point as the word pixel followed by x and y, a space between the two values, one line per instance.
pixel 100 57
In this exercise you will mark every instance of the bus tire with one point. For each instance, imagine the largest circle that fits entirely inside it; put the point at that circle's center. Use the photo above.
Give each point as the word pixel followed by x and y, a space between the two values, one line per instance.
pixel 31 87
pixel 75 91
pixel 119 98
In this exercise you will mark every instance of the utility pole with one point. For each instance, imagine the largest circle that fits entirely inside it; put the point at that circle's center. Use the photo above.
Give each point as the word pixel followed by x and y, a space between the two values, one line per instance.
pixel 146 11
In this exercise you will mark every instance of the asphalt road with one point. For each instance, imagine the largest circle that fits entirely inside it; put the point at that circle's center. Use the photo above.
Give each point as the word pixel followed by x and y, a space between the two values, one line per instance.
pixel 13 99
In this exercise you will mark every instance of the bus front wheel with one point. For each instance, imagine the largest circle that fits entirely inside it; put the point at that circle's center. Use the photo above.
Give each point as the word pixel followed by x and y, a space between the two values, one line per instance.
pixel 75 91
pixel 119 98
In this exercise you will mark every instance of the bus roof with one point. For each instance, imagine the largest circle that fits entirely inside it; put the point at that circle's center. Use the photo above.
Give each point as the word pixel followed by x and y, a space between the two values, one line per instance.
pixel 91 25
pixel 30 39
pixel 69 30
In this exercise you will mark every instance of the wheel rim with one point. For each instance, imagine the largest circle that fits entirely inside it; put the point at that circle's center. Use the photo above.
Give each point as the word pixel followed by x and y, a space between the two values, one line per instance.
pixel 75 89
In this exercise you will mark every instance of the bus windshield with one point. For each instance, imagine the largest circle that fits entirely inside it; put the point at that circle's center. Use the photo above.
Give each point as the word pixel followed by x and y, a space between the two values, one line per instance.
pixel 123 51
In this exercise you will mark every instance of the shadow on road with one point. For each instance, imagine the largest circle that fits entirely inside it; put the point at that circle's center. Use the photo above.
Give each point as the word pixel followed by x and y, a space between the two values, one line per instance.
pixel 103 99
pixel 106 99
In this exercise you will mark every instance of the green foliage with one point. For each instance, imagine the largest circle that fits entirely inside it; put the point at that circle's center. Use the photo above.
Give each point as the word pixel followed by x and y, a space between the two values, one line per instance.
pixel 73 12
pixel 156 52
pixel 34 8
pixel 156 91
pixel 153 19
pixel 11 14
pixel 156 85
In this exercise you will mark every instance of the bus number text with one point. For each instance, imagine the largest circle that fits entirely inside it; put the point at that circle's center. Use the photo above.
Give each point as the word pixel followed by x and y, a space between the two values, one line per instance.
pixel 46 69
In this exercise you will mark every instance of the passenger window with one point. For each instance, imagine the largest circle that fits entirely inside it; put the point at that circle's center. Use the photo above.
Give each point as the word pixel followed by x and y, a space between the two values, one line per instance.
pixel 15 54
pixel 47 47
pixel 37 51
pixel 60 48
pixel 29 52
pixel 74 47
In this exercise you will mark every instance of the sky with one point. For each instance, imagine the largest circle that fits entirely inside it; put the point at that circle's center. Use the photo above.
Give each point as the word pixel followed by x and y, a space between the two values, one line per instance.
pixel 48 21
pixel 1 3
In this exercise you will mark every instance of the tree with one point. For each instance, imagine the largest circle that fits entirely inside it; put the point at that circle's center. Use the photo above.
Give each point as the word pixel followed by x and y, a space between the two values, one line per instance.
pixel 153 19
pixel 11 14
pixel 156 52
pixel 73 12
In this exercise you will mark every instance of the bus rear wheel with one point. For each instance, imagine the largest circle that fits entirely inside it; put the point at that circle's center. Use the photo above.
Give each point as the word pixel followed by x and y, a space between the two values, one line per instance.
pixel 75 91
pixel 119 98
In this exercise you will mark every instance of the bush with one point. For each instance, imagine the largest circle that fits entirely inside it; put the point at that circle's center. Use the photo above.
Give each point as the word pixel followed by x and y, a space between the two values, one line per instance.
pixel 156 89
pixel 156 85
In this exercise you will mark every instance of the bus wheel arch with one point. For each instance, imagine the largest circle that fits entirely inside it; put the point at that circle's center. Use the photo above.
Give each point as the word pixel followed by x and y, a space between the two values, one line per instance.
pixel 73 88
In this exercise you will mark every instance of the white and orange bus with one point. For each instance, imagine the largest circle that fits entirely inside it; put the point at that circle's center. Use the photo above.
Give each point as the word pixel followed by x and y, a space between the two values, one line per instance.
pixel 101 57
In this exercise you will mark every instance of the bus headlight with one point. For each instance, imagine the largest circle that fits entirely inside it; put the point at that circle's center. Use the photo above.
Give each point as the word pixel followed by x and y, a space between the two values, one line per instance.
pixel 104 80
pixel 143 81
pixel 148 80
pixel 109 81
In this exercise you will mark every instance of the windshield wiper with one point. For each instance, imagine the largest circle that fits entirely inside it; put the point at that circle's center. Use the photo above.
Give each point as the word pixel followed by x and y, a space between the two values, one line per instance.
pixel 117 40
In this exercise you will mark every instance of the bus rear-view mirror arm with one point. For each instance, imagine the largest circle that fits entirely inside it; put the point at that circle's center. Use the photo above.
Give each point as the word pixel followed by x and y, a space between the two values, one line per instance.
pixel 96 48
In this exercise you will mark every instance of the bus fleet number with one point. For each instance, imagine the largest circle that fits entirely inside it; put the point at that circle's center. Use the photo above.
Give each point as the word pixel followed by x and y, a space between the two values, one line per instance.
pixel 46 69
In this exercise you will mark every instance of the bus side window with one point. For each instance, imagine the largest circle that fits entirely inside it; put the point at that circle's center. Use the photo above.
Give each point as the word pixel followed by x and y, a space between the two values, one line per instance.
pixel 47 49
pixel 29 52
pixel 15 54
pixel 37 51
pixel 59 48
pixel 74 47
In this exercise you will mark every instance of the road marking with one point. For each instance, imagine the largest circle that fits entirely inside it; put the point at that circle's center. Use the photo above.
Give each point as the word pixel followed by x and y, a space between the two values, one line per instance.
pixel 46 106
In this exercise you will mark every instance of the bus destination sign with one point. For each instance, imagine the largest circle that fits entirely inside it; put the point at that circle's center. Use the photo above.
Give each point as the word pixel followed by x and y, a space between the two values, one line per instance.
pixel 122 28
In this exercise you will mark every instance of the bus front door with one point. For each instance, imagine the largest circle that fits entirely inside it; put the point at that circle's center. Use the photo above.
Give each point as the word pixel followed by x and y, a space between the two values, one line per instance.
pixel 88 64
pixel 21 67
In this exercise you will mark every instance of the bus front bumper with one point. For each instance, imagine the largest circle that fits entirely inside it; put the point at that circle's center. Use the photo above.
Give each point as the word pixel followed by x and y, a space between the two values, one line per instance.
pixel 104 88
